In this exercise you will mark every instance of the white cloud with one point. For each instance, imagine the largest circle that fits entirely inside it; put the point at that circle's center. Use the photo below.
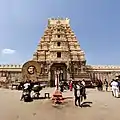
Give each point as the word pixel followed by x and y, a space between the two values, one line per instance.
pixel 8 51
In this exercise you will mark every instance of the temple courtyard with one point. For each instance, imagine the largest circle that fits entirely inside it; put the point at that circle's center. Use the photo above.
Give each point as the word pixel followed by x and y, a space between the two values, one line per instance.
pixel 98 106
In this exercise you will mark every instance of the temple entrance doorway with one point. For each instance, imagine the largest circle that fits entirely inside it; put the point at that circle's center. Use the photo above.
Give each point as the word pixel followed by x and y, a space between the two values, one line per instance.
pixel 62 68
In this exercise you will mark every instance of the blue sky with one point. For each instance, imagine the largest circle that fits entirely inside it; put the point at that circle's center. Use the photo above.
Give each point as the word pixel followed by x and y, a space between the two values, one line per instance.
pixel 96 24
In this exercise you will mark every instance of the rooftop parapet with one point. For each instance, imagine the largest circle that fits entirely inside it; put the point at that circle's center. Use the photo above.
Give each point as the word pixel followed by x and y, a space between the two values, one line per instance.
pixel 104 66
pixel 10 66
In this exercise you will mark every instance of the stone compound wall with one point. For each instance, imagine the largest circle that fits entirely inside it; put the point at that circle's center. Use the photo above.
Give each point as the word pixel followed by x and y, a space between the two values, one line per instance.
pixel 10 73
pixel 13 72
pixel 103 71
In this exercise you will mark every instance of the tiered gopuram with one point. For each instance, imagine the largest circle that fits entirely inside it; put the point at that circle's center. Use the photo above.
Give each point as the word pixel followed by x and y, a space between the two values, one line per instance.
pixel 58 50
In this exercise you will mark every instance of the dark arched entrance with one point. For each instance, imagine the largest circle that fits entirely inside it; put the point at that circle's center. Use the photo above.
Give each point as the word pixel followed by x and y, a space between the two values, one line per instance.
pixel 63 72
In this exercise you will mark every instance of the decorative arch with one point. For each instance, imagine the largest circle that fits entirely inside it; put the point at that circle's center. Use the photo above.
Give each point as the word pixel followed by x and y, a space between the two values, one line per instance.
pixel 62 67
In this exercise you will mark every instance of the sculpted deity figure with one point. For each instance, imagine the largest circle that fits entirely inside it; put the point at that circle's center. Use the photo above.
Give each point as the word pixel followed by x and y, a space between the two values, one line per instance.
pixel 31 70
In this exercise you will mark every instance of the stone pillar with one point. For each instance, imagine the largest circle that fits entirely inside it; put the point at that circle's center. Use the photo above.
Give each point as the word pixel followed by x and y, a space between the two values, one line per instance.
pixel 100 76
pixel 94 76
pixel 104 76
pixel 49 75
pixel 97 75
pixel 91 75
pixel 68 70
pixel 68 73
pixel 109 77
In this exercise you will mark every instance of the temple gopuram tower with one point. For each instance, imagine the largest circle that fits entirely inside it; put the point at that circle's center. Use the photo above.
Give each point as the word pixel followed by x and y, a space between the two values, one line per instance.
pixel 58 50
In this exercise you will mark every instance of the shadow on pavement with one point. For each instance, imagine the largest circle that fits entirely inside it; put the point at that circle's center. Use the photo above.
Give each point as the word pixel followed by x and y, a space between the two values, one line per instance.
pixel 86 104
pixel 68 97
pixel 40 98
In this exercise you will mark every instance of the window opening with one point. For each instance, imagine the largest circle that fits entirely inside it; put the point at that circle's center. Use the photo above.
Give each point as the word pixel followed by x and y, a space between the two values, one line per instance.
pixel 58 43
pixel 59 54
pixel 58 36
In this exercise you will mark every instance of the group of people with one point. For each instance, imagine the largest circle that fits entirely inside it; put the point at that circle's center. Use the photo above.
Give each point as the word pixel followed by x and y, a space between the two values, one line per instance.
pixel 66 86
pixel 100 85
pixel 79 88
pixel 30 89
pixel 79 92
pixel 115 85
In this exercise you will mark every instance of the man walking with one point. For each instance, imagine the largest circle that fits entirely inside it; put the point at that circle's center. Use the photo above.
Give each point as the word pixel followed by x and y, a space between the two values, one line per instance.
pixel 115 89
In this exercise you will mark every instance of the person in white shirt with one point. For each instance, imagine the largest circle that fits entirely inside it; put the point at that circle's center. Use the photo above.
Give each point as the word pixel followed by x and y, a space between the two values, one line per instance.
pixel 115 89
pixel 83 82
pixel 26 86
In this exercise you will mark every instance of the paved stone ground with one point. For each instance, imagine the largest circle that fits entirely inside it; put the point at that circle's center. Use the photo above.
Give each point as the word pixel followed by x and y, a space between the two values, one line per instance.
pixel 104 107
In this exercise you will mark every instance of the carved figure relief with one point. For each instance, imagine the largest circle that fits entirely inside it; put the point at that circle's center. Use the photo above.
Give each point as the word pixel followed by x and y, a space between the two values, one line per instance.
pixel 31 69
